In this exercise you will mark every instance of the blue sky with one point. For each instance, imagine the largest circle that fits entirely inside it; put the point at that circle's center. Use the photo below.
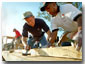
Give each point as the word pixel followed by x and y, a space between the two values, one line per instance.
pixel 12 16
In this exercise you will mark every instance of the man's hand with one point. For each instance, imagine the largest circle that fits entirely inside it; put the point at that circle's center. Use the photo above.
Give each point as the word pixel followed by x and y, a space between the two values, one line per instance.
pixel 51 45
pixel 53 38
pixel 49 34
pixel 27 47
pixel 24 41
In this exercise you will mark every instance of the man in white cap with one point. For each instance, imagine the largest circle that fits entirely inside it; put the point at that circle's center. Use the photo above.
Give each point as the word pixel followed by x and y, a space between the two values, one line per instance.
pixel 35 27
pixel 63 16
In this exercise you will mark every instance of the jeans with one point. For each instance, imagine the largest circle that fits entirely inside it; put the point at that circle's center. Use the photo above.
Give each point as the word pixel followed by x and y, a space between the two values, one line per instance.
pixel 42 41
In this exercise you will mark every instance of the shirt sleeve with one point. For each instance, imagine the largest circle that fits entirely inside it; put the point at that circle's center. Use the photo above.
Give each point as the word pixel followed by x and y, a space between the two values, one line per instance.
pixel 44 26
pixel 25 31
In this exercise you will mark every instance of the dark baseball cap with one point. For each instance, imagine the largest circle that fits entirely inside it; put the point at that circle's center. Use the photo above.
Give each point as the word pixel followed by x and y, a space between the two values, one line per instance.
pixel 43 8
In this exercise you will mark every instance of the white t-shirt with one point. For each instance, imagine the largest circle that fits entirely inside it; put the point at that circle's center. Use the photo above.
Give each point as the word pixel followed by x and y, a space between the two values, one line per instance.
pixel 69 10
pixel 65 18
pixel 63 22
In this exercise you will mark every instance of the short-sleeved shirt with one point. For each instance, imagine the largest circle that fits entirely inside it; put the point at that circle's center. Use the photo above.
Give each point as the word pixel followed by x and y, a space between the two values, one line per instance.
pixel 64 22
pixel 65 18
pixel 36 31
pixel 17 33
pixel 69 10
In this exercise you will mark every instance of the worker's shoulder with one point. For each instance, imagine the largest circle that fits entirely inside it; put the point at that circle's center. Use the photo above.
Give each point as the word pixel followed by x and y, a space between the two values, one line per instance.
pixel 66 5
pixel 25 25
pixel 38 19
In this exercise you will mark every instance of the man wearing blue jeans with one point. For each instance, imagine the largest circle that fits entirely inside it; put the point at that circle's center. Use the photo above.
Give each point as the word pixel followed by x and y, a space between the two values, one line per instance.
pixel 34 26
pixel 37 44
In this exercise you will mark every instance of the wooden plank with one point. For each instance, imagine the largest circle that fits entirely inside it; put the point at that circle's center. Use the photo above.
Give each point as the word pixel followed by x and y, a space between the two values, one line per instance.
pixel 45 54
pixel 17 56
pixel 68 52
pixel 9 37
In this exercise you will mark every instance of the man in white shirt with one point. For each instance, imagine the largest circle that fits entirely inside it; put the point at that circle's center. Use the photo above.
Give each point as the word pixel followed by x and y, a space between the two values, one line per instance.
pixel 63 16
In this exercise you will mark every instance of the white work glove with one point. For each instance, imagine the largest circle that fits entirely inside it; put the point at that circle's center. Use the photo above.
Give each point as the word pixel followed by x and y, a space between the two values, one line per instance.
pixel 36 43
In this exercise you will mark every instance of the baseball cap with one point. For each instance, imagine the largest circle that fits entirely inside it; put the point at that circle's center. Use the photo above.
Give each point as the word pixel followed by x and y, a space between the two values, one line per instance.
pixel 27 14
pixel 43 8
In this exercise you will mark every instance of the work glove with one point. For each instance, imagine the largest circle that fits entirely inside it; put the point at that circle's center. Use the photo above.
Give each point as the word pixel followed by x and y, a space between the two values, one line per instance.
pixel 36 44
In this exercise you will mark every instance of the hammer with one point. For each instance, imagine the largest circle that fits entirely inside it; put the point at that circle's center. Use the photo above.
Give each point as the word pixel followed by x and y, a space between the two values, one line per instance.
pixel 26 53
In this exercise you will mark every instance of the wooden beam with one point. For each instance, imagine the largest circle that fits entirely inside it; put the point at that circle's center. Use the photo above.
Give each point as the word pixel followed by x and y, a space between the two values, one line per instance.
pixel 16 56
pixel 68 52
pixel 9 37
pixel 45 54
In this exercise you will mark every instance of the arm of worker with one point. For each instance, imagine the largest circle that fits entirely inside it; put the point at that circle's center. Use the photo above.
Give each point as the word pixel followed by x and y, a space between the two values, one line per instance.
pixel 63 38
pixel 46 29
pixel 53 37
pixel 25 36
pixel 24 41
pixel 14 37
pixel 54 26
pixel 49 35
